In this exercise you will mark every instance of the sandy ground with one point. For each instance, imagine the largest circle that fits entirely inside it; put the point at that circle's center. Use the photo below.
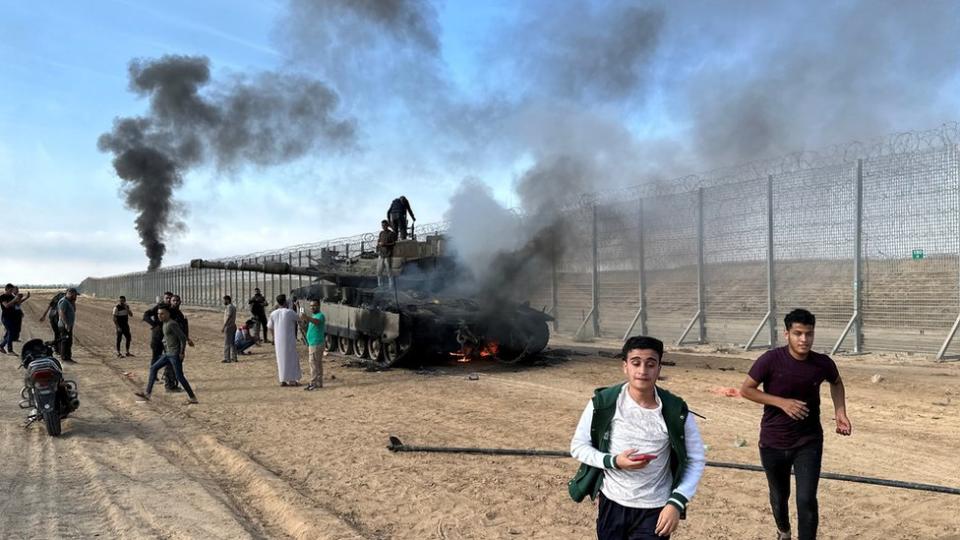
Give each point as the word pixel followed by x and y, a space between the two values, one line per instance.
pixel 255 460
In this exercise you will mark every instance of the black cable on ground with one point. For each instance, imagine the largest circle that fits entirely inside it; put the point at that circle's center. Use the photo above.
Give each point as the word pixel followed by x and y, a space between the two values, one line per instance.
pixel 396 445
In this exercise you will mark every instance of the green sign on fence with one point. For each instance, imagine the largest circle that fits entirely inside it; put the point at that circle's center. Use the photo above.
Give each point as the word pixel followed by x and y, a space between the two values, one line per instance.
pixel 917 254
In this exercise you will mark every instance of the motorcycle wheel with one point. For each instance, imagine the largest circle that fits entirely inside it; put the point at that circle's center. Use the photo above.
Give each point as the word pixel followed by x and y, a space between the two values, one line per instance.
pixel 52 420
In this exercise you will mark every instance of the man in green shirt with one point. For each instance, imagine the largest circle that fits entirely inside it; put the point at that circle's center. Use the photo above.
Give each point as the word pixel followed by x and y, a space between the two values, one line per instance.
pixel 174 346
pixel 316 329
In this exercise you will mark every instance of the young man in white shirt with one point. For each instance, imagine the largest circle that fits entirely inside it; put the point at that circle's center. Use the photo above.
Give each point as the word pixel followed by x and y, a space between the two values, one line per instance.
pixel 640 450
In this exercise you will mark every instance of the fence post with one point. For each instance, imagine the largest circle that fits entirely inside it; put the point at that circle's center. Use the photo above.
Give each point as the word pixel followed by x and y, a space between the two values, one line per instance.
pixel 701 285
pixel 300 263
pixel 641 316
pixel 596 276
pixel 856 321
pixel 554 286
pixel 857 265
pixel 771 283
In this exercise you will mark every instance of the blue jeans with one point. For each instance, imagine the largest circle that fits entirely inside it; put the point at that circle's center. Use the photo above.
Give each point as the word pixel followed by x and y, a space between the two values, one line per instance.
pixel 176 363
pixel 7 342
pixel 244 345
pixel 805 461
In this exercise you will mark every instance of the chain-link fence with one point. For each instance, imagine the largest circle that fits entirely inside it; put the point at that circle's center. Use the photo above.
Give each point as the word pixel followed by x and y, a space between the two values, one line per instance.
pixel 866 236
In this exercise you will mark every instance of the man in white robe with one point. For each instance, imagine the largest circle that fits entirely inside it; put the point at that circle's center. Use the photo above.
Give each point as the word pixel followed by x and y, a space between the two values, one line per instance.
pixel 283 322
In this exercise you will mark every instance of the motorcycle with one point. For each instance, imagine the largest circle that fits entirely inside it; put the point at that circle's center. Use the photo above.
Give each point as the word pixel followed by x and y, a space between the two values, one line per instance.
pixel 45 392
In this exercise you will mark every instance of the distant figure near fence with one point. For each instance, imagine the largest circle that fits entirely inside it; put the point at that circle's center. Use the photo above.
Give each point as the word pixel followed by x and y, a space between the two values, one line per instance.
pixel 228 329
pixel 258 308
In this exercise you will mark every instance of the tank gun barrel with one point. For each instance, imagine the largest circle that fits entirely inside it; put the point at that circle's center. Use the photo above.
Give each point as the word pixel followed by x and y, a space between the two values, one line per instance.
pixel 266 267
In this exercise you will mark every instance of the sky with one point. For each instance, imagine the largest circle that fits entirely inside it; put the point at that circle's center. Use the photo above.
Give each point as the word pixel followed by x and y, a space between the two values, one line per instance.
pixel 517 103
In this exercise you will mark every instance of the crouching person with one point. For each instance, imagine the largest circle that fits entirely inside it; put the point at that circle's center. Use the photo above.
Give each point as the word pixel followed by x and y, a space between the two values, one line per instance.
pixel 640 450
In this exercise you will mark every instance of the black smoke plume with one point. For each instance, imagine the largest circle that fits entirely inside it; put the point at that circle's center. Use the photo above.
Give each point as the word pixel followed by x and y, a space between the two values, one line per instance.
pixel 263 120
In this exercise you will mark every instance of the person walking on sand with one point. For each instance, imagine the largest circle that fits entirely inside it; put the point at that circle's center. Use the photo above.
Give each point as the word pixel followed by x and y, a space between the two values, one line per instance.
pixel 121 321
pixel 283 322
pixel 640 450
pixel 174 347
pixel 791 436
pixel 316 328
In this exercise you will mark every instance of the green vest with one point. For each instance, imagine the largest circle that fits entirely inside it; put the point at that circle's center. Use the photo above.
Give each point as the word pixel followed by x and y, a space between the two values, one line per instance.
pixel 588 479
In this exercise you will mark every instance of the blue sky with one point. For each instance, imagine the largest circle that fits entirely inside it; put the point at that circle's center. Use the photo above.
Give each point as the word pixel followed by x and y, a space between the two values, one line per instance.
pixel 513 81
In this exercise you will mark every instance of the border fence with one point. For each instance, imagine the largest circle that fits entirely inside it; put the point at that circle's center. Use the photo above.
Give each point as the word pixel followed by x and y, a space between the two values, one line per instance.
pixel 866 236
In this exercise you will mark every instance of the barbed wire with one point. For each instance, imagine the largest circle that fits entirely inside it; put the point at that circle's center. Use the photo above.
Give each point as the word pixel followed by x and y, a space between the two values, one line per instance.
pixel 839 156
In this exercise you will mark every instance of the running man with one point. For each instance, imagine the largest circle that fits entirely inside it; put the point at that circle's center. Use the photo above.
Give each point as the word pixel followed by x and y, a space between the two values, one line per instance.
pixel 174 348
pixel 790 432
pixel 640 450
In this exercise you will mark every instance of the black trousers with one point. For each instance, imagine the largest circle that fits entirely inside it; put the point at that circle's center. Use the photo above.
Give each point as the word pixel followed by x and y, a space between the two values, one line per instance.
pixel 55 326
pixel 262 322
pixel 617 522
pixel 123 331
pixel 805 461
pixel 66 345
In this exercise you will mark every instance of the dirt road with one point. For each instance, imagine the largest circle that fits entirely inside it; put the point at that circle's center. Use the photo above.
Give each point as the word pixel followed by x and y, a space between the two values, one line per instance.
pixel 257 460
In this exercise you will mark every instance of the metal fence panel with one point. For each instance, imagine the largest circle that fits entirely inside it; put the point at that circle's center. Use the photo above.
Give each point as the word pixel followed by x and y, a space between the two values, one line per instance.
pixel 910 249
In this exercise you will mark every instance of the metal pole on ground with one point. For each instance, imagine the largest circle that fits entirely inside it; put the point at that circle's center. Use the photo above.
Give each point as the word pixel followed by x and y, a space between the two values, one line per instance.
pixel 396 445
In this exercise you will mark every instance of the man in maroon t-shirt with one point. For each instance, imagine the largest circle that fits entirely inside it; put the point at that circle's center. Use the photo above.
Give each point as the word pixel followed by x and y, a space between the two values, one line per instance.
pixel 790 432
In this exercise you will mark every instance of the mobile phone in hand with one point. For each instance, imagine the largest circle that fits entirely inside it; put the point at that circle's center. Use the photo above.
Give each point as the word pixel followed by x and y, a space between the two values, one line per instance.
pixel 642 457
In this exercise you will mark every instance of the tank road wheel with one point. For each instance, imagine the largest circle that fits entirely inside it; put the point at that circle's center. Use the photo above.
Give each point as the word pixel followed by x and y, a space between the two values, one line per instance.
pixel 361 347
pixel 375 350
pixel 533 338
pixel 346 345
pixel 330 343
pixel 394 351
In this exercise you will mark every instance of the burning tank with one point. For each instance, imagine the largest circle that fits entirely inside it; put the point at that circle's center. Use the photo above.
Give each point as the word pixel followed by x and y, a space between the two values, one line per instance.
pixel 417 318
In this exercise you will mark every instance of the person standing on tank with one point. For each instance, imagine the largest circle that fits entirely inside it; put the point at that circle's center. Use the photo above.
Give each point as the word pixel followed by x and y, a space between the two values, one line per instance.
pixel 397 216
pixel 385 243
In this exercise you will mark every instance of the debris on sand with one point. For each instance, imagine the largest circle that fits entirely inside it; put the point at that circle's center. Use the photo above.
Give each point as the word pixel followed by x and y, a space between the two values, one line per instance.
pixel 726 391
pixel 739 442
pixel 473 377
pixel 876 379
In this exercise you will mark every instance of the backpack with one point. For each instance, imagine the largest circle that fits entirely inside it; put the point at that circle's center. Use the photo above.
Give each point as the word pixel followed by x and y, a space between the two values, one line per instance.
pixel 53 304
